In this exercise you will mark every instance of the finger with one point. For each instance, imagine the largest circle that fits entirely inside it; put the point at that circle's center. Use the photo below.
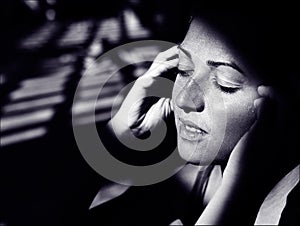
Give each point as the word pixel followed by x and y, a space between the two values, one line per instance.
pixel 168 54
pixel 153 116
pixel 171 105
pixel 266 112
pixel 265 105
pixel 167 109
pixel 162 66
pixel 166 65
pixel 257 105
pixel 171 51
pixel 266 91
pixel 259 133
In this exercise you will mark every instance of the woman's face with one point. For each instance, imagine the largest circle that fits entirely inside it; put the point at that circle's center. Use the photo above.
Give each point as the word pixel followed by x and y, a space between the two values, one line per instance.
pixel 213 97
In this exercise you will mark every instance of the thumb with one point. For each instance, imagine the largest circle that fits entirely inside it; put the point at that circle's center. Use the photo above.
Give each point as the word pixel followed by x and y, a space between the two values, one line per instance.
pixel 252 147
pixel 266 116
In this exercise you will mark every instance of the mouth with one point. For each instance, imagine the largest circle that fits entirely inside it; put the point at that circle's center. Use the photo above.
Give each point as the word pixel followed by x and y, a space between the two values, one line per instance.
pixel 190 131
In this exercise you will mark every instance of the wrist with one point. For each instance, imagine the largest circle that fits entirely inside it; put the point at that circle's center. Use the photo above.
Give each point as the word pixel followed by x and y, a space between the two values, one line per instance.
pixel 118 126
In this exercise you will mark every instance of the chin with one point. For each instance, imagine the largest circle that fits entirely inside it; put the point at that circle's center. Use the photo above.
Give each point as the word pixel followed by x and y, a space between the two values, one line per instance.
pixel 194 152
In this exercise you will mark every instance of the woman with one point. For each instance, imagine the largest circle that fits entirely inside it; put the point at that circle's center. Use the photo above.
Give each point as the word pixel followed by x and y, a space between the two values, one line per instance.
pixel 233 111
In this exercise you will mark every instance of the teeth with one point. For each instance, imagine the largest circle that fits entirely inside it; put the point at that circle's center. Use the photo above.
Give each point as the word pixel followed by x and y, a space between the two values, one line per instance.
pixel 192 129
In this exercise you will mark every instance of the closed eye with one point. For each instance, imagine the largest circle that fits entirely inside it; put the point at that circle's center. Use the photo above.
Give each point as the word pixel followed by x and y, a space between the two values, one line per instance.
pixel 185 73
pixel 225 88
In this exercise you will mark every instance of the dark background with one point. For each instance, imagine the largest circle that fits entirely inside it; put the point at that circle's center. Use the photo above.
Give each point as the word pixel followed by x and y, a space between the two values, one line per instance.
pixel 43 178
pixel 46 48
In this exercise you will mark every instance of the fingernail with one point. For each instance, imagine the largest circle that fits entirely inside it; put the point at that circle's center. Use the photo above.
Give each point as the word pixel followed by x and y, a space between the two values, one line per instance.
pixel 264 90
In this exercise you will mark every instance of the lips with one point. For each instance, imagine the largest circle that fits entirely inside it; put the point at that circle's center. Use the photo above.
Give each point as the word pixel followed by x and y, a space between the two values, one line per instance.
pixel 190 131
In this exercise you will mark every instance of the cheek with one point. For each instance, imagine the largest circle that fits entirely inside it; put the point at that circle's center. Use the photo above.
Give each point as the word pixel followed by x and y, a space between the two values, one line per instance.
pixel 240 116
pixel 240 110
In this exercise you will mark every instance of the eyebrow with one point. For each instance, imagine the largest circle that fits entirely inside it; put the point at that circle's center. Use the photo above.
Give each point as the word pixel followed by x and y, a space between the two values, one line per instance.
pixel 228 64
pixel 214 63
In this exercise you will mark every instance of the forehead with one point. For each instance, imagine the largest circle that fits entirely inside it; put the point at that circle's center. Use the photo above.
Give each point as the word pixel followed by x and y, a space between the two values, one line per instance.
pixel 203 42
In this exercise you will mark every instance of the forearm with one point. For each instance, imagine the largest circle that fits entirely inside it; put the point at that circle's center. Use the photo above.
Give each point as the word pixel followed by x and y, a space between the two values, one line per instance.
pixel 233 203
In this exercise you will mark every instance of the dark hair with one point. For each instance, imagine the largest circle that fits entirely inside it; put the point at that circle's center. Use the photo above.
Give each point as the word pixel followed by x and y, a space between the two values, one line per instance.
pixel 266 36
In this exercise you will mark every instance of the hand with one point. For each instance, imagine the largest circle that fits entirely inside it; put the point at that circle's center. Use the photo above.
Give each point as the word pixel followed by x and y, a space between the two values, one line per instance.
pixel 140 112
pixel 266 153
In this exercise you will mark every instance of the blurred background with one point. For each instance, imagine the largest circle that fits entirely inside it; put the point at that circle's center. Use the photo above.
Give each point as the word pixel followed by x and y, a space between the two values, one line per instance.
pixel 46 48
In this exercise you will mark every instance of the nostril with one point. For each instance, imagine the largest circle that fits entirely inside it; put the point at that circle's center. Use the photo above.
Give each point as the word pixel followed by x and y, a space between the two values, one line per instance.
pixel 188 110
pixel 195 108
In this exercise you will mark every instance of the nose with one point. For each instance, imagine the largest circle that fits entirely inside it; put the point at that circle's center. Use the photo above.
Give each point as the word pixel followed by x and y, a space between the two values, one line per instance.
pixel 190 98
